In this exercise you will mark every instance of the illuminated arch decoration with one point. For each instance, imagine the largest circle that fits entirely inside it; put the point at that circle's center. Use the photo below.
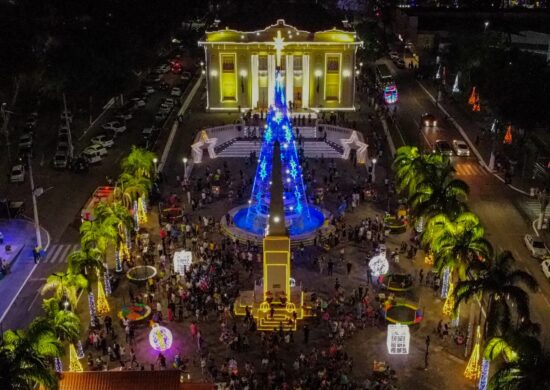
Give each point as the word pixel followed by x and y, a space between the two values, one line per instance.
pixel 160 338
pixel 379 265
pixel 204 141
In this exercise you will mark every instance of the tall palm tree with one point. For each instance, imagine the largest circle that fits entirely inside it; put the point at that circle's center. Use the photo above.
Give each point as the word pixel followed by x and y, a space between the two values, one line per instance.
pixel 528 372
pixel 455 243
pixel 117 213
pixel 130 188
pixel 498 280
pixel 38 336
pixel 439 192
pixel 84 260
pixel 65 323
pixel 65 284
pixel 97 235
pixel 139 163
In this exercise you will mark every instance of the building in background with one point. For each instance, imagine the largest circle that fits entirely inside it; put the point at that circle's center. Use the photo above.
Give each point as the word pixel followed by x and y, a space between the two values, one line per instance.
pixel 318 67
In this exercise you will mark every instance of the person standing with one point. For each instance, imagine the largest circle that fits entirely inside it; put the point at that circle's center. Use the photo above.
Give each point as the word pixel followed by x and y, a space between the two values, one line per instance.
pixel 306 334
pixel 426 360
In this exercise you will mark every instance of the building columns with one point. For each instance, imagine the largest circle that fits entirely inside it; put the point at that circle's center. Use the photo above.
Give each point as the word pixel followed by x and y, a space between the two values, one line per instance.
pixel 270 79
pixel 305 81
pixel 289 93
pixel 254 63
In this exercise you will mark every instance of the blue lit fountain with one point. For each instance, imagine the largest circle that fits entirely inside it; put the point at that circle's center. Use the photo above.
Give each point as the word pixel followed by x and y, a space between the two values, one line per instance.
pixel 300 217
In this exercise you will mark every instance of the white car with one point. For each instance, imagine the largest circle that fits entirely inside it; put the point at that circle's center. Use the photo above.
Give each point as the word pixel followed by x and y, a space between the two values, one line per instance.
pixel 104 140
pixel 163 68
pixel 25 141
pixel 185 76
pixel 169 101
pixel 17 174
pixel 60 160
pixel 125 116
pixel 149 90
pixel 164 108
pixel 66 115
pixel 115 126
pixel 545 265
pixel 461 148
pixel 138 102
pixel 176 91
pixel 91 156
pixel 535 246
pixel 160 116
pixel 96 148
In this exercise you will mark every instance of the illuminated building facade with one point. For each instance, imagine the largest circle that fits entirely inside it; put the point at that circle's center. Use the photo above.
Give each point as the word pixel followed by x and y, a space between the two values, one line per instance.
pixel 318 68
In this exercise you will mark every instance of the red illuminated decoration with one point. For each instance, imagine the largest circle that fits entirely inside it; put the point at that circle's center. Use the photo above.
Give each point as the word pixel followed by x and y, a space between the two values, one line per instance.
pixel 473 95
pixel 508 135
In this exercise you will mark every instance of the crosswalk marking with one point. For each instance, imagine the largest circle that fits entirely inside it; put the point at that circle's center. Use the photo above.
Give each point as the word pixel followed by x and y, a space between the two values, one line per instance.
pixel 57 253
pixel 469 169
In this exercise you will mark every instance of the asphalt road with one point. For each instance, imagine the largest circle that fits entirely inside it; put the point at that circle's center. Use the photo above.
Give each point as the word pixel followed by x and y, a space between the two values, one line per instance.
pixel 60 206
pixel 489 198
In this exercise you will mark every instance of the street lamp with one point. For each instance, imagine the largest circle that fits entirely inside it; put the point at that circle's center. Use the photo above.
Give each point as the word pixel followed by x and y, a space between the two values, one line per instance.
pixel 486 24
pixel 36 192
pixel 185 167
pixel 373 170
pixel 155 161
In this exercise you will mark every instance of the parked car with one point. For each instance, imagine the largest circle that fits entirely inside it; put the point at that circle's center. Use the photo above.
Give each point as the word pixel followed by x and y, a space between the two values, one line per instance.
pixel 31 122
pixel 164 85
pixel 162 68
pixel 461 148
pixel 25 141
pixel 115 126
pixel 97 148
pixel 535 246
pixel 138 102
pixel 148 131
pixel 160 116
pixel 443 147
pixel 60 160
pixel 125 116
pixel 63 130
pixel 91 156
pixel 169 101
pixel 545 265
pixel 105 140
pixel 149 89
pixel 63 139
pixel 428 120
pixel 164 108
pixel 66 115
pixel 185 76
pixel 17 174
pixel 176 91
pixel 154 77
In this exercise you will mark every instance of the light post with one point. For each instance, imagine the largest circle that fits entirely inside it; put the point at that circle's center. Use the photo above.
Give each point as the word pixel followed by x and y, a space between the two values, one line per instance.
pixel 185 167
pixel 6 118
pixel 486 24
pixel 373 170
pixel 155 161
pixel 36 192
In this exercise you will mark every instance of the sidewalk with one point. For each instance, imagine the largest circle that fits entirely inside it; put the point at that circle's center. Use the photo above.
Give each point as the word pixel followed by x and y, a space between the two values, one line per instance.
pixel 21 235
pixel 470 128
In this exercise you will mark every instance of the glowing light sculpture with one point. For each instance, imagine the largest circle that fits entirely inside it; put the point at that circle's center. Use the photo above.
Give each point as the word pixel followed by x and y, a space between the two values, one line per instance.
pixel 449 304
pixel 445 282
pixel 473 95
pixel 456 87
pixel 58 365
pixel 107 281
pixel 379 265
pixel 508 135
pixel 74 363
pixel 92 307
pixel 141 211
pixel 79 350
pixel 398 339
pixel 160 338
pixel 102 303
pixel 118 262
pixel 484 376
pixel 299 216
pixel 473 369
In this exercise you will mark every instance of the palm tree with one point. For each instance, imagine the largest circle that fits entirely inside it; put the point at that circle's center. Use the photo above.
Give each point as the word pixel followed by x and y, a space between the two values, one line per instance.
pixel 116 213
pixel 97 235
pixel 83 260
pixel 65 284
pixel 130 188
pixel 139 162
pixel 455 243
pixel 528 372
pixel 498 280
pixel 65 323
pixel 24 369
pixel 438 192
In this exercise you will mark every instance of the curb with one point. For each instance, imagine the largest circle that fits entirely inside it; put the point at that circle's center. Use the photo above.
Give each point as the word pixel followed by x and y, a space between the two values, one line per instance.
pixel 391 145
pixel 27 278
pixel 469 142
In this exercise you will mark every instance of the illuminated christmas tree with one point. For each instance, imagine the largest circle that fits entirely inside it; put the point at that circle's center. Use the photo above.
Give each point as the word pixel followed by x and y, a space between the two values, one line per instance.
pixel 74 363
pixel 473 368
pixel 450 301
pixel 102 303
pixel 473 95
pixel 508 135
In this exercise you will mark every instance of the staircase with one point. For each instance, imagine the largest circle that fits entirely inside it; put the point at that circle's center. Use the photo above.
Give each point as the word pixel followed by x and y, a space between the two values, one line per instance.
pixel 266 323
pixel 313 148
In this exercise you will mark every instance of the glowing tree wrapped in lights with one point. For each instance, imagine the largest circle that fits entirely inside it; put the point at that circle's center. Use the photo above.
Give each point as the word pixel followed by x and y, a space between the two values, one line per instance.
pixel 58 365
pixel 448 306
pixel 473 369
pixel 299 216
pixel 102 304
pixel 74 363
pixel 92 306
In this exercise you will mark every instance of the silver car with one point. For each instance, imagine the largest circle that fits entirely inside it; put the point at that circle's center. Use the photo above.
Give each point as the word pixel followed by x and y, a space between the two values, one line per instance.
pixel 461 148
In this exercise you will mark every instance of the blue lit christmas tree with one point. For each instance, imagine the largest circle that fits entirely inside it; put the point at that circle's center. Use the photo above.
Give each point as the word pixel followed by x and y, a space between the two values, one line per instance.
pixel 299 216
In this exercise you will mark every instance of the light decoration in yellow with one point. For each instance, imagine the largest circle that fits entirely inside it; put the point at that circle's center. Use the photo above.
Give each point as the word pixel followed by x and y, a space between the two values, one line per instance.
pixel 102 303
pixel 142 211
pixel 473 369
pixel 279 45
pixel 74 363
pixel 429 259
pixel 449 304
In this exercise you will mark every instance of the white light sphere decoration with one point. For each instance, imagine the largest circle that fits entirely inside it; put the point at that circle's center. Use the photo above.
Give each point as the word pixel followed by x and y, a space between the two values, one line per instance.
pixel 379 265
pixel 398 340
pixel 160 338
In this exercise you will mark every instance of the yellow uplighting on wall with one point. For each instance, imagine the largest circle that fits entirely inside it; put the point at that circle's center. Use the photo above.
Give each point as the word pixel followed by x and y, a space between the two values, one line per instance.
pixel 473 369
pixel 74 363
